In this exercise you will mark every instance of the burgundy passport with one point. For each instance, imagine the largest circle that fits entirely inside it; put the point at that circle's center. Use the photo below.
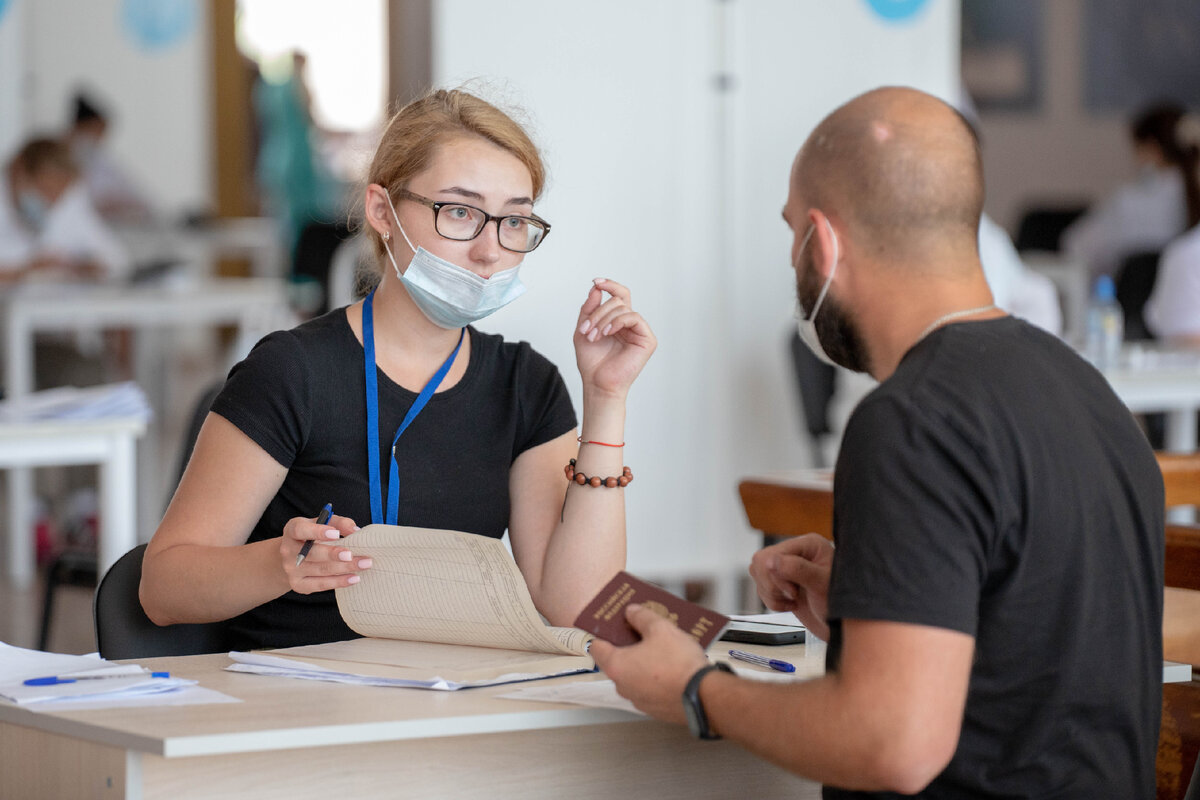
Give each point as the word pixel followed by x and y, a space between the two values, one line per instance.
pixel 604 617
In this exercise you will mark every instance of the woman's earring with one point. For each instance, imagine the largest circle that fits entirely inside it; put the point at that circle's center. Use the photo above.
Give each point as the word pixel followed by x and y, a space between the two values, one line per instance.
pixel 387 236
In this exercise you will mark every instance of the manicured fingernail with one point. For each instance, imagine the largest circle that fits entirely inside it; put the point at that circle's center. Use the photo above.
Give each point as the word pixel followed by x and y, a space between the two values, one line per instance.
pixel 353 579
pixel 332 534
pixel 598 281
pixel 773 562
pixel 345 555
pixel 788 594
pixel 364 563
pixel 587 323
pixel 607 328
pixel 594 335
pixel 357 528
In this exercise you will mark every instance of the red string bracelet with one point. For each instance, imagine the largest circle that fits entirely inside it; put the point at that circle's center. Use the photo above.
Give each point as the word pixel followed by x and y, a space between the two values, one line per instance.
pixel 596 481
pixel 581 440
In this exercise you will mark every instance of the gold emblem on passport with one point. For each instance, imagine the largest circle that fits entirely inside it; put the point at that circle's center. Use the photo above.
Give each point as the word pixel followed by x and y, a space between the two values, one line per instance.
pixel 661 610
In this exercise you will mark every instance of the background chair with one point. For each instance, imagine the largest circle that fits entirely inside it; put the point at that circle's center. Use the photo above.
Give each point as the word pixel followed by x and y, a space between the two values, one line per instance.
pixel 1179 734
pixel 77 566
pixel 124 631
pixel 1134 283
pixel 1041 227
pixel 351 275
pixel 817 382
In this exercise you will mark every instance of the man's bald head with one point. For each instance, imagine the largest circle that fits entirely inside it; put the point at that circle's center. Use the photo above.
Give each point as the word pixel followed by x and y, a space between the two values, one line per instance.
pixel 901 169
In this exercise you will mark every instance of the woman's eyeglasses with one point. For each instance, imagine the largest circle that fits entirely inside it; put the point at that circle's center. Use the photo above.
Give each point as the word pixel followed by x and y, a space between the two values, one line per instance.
pixel 462 223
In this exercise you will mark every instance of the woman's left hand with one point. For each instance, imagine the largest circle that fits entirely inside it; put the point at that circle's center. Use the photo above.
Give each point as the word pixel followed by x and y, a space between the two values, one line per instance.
pixel 612 341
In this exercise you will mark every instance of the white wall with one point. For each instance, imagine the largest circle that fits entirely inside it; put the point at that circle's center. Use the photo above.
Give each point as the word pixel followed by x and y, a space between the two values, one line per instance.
pixel 159 99
pixel 664 182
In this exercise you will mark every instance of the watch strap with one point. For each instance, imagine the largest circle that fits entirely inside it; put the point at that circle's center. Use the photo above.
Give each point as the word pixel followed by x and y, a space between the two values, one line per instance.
pixel 693 708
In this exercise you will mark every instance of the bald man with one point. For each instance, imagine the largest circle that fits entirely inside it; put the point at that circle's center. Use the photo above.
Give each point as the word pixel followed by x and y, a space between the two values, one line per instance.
pixel 993 610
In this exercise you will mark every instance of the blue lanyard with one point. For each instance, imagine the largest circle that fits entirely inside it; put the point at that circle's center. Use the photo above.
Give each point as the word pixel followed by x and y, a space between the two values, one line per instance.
pixel 393 507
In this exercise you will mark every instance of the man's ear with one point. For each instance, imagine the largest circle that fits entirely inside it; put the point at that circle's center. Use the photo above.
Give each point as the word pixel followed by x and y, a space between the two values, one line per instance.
pixel 826 245
pixel 376 209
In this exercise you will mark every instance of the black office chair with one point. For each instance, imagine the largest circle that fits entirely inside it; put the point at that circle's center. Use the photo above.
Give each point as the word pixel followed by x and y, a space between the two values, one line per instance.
pixel 1134 283
pixel 76 566
pixel 817 382
pixel 1041 226
pixel 124 631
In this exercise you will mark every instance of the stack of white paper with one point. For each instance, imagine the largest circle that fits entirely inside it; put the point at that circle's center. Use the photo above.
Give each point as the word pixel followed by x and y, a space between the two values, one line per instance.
pixel 66 681
pixel 365 674
pixel 73 403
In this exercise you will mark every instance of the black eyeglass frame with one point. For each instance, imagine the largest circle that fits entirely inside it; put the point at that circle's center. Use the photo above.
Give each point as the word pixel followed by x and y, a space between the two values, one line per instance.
pixel 437 206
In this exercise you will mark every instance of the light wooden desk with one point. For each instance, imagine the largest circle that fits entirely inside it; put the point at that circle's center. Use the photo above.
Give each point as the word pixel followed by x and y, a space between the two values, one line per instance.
pixel 302 739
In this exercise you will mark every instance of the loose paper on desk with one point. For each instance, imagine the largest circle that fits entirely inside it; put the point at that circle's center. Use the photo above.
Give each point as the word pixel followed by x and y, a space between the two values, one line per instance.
pixel 116 686
pixel 439 609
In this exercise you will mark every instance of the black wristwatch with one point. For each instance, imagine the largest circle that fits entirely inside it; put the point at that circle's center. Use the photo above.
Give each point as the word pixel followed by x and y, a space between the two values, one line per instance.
pixel 693 709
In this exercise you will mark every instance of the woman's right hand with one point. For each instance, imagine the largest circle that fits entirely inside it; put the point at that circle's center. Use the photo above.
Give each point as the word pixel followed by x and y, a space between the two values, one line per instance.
pixel 327 566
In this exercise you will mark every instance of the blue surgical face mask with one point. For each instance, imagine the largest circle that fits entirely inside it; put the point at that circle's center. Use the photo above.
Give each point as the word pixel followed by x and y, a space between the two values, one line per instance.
pixel 451 296
pixel 807 325
pixel 33 207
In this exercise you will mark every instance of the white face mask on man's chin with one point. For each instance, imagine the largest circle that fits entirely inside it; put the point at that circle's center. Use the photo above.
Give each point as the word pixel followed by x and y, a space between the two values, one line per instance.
pixel 806 326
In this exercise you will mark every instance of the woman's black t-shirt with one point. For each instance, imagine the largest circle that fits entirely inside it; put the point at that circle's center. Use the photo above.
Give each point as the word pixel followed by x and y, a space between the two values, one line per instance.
pixel 300 396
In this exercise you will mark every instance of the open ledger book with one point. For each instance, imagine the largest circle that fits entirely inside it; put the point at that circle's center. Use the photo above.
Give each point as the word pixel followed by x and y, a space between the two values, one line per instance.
pixel 439 610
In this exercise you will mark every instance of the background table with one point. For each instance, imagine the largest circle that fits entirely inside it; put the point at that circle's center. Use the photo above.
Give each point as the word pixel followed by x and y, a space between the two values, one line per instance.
pixel 300 739
pixel 108 442
pixel 1150 379
pixel 253 306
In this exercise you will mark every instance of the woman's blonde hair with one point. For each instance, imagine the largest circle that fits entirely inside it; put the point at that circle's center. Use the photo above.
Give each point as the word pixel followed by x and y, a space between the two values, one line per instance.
pixel 415 132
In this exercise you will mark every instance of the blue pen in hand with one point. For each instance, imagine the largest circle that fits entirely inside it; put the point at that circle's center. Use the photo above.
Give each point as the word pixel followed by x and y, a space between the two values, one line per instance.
pixel 762 661
pixel 322 518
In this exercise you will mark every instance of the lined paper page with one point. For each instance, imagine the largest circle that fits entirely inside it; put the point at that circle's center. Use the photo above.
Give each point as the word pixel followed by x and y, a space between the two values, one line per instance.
pixel 446 586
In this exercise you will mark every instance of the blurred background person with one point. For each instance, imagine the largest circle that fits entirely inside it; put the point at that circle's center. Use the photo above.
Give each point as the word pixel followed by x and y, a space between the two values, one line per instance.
pixel 1173 311
pixel 115 195
pixel 1145 214
pixel 48 225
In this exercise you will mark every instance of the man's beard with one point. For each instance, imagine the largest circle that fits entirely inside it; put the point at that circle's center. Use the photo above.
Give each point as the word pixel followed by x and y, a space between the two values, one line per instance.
pixel 839 335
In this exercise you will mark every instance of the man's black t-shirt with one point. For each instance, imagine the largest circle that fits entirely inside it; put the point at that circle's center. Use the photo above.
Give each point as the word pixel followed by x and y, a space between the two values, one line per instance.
pixel 300 396
pixel 995 485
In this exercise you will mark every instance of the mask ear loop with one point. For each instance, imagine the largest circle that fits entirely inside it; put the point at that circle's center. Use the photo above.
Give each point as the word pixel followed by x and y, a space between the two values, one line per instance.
pixel 832 272
pixel 386 246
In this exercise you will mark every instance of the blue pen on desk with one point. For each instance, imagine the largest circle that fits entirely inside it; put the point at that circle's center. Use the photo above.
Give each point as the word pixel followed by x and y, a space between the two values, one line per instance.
pixel 55 680
pixel 322 518
pixel 762 661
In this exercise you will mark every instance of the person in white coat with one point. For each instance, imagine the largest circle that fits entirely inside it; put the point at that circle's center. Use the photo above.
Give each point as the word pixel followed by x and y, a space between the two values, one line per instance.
pixel 1018 290
pixel 48 226
pixel 1172 312
pixel 1147 213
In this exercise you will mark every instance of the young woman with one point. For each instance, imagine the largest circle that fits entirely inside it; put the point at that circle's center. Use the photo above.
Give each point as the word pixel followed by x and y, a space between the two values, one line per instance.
pixel 312 414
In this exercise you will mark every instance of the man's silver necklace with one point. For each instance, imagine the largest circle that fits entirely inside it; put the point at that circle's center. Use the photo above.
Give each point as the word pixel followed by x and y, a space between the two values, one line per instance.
pixel 953 315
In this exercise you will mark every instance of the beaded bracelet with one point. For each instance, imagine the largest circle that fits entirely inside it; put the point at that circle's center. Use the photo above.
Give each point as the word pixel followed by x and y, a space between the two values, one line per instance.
pixel 596 481
pixel 581 440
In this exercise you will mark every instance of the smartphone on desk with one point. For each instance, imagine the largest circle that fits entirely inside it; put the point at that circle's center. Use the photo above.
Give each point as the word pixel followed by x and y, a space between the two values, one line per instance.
pixel 762 633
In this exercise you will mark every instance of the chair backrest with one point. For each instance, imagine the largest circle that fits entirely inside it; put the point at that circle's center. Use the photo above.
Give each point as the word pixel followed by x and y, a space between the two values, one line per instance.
pixel 1134 283
pixel 1181 478
pixel 348 282
pixel 1041 227
pixel 124 631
